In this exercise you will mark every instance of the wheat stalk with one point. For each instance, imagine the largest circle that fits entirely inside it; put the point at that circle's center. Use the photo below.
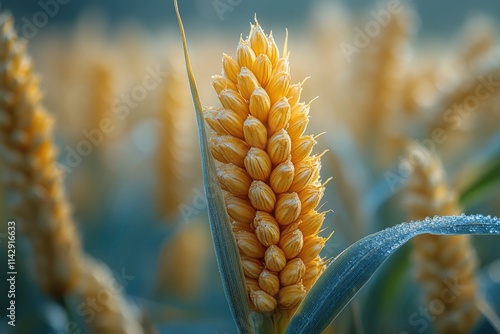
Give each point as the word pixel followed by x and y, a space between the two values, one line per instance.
pixel 442 261
pixel 270 180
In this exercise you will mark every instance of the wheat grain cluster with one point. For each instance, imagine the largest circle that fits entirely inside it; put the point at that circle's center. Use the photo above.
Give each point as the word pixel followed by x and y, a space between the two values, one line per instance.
pixel 271 181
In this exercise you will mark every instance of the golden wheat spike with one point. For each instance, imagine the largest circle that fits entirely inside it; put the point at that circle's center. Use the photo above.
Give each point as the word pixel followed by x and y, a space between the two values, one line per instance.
pixel 33 181
pixel 379 74
pixel 270 180
pixel 101 95
pixel 445 265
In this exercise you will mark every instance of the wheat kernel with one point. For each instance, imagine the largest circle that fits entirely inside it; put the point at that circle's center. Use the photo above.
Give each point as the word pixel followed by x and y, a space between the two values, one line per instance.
pixel 239 209
pixel 258 164
pixel 310 196
pixel 258 40
pixel 224 122
pixel 312 247
pixel 210 115
pixel 219 83
pixel 262 196
pixel 293 272
pixel 255 132
pixel 247 83
pixel 298 122
pixel 291 243
pixel 288 208
pixel 262 68
pixel 233 100
pixel 291 296
pixel 311 222
pixel 231 122
pixel 269 282
pixel 313 270
pixel 278 86
pixel 306 172
pixel 272 49
pixel 259 104
pixel 279 147
pixel 239 226
pixel 263 301
pixel 279 115
pixel 294 93
pixel 282 177
pixel 252 284
pixel 230 67
pixel 245 54
pixel 249 245
pixel 251 267
pixel 275 258
pixel 234 179
pixel 266 229
pixel 302 147
pixel 228 149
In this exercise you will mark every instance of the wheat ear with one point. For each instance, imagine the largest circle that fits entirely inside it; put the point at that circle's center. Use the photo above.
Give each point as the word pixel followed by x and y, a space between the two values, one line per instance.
pixel 32 180
pixel 270 180
pixel 35 191
pixel 445 265
pixel 174 154
pixel 114 313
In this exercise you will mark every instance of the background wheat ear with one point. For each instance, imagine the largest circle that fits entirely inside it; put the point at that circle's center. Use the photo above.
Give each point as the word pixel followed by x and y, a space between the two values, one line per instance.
pixel 32 180
pixel 442 260
pixel 35 195
pixel 175 147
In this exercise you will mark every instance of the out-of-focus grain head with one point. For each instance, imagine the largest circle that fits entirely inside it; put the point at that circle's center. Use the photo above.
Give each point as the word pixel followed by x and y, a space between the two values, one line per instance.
pixel 115 315
pixel 441 261
pixel 176 154
pixel 270 178
pixel 31 179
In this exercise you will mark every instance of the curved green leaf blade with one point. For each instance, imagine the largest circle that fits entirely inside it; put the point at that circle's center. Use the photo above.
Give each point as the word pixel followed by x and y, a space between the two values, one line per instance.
pixel 226 250
pixel 483 183
pixel 349 271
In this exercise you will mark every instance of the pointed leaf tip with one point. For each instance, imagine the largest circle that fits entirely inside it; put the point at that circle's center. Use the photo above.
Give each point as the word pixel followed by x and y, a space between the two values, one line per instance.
pixel 350 270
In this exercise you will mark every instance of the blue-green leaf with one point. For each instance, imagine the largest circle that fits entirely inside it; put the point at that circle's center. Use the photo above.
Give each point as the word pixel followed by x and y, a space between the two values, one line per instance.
pixel 348 272
pixel 486 180
pixel 225 246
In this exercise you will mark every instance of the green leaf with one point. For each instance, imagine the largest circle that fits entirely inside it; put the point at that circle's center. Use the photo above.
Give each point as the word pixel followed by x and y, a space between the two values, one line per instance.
pixel 348 272
pixel 226 250
pixel 487 180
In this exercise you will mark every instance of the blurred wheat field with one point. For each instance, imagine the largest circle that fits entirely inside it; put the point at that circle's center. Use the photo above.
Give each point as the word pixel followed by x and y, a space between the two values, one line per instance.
pixel 100 169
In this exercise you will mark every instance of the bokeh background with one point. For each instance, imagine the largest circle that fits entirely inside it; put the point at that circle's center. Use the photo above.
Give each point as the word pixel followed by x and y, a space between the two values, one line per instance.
pixel 138 198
